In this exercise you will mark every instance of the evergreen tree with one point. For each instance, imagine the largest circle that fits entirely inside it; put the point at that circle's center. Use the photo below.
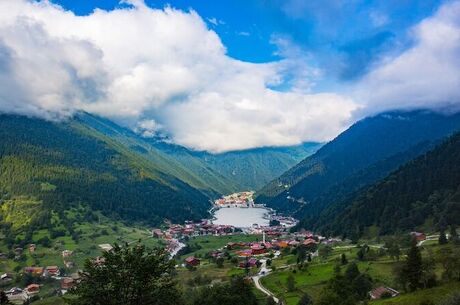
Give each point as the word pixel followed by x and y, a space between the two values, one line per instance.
pixel 129 276
pixel 305 300
pixel 271 301
pixel 413 267
pixel 442 238
pixel 343 259
pixel 453 235
pixel 290 283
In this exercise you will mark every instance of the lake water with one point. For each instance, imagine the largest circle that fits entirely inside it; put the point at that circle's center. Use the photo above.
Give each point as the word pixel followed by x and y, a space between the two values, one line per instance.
pixel 241 217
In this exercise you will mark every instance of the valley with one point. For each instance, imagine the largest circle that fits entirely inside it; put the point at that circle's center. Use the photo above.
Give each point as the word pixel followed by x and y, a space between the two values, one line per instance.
pixel 96 188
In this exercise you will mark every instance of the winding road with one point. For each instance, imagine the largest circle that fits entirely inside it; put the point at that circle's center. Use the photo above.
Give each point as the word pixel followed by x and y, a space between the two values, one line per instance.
pixel 264 271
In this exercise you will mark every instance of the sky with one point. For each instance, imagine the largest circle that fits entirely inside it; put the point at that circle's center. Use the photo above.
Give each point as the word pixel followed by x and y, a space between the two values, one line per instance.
pixel 229 75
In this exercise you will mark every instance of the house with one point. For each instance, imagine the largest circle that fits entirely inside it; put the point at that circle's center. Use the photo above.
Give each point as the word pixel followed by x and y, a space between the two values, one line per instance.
pixel 250 263
pixel 67 283
pixel 69 264
pixel 17 295
pixel 157 233
pixel 32 248
pixel 106 247
pixel 67 253
pixel 382 291
pixel 5 278
pixel 192 261
pixel 52 271
pixel 257 249
pixel 419 236
pixel 32 289
pixel 293 243
pixel 244 253
pixel 309 242
pixel 34 270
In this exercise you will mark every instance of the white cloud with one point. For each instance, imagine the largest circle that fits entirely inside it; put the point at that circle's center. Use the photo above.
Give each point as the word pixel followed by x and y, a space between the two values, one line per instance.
pixel 427 75
pixel 154 69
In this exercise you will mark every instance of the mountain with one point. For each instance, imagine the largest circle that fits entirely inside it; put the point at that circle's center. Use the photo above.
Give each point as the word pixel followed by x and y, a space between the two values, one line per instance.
pixel 48 167
pixel 247 169
pixel 172 159
pixel 91 161
pixel 365 153
pixel 425 192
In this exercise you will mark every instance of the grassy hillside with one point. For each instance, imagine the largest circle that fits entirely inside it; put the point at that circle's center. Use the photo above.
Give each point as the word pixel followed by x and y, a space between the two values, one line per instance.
pixel 60 165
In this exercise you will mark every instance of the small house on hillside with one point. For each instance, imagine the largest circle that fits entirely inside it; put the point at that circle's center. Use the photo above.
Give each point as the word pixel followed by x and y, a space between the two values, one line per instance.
pixel 52 271
pixel 192 261
pixel 257 249
pixel 33 289
pixel 383 292
pixel 419 236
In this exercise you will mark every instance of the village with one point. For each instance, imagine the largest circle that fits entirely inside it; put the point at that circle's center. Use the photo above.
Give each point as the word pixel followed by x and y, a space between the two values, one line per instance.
pixel 255 251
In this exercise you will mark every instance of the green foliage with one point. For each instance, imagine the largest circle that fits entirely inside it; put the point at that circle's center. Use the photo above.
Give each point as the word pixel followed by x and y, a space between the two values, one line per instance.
pixel 305 300
pixel 237 291
pixel 442 238
pixel 290 283
pixel 48 166
pixel 128 276
pixel 427 187
pixel 365 153
pixel 346 289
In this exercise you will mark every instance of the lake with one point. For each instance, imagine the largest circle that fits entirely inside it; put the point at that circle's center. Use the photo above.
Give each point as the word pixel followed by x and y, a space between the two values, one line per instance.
pixel 241 217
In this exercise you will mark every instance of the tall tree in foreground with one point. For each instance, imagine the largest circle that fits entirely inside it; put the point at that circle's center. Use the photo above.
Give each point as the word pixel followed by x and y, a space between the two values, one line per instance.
pixel 127 276
pixel 238 291
pixel 414 266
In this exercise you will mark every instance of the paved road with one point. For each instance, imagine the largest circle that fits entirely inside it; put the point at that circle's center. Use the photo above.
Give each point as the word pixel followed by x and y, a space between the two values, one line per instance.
pixel 264 271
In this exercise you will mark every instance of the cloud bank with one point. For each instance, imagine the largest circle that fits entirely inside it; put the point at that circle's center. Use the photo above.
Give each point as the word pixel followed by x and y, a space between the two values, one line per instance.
pixel 165 70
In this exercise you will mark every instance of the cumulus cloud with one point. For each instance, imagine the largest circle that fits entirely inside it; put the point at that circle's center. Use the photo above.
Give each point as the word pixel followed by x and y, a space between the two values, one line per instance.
pixel 155 68
pixel 427 75
pixel 164 71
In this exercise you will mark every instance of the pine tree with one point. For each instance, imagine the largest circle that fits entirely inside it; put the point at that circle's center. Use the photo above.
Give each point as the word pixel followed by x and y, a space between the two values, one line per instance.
pixel 305 300
pixel 129 275
pixel 442 238
pixel 290 283
pixel 343 259
pixel 453 235
pixel 413 267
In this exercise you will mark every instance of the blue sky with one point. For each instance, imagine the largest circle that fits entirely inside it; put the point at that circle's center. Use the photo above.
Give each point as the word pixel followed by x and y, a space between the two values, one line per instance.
pixel 344 38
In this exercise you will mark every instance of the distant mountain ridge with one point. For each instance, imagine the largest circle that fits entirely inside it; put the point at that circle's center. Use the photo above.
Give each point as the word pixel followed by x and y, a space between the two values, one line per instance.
pixel 424 193
pixel 52 166
pixel 366 152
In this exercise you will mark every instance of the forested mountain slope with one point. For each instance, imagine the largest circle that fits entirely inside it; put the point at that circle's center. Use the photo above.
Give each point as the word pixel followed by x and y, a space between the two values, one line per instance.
pixel 189 168
pixel 247 169
pixel 424 192
pixel 366 152
pixel 46 166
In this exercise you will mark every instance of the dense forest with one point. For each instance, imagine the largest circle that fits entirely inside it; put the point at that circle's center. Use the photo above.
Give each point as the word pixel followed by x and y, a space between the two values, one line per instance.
pixel 55 166
pixel 424 192
pixel 365 153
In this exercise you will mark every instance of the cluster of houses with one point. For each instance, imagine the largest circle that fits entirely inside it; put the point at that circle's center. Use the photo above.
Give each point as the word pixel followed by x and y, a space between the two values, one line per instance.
pixel 242 199
pixel 205 227
pixel 18 295
pixel 249 252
